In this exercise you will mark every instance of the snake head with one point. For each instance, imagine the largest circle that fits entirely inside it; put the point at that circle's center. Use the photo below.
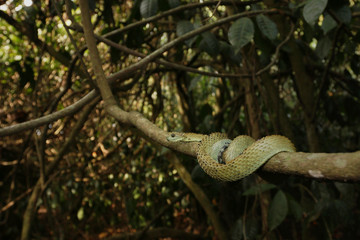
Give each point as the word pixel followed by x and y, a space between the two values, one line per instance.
pixel 184 137
pixel 175 137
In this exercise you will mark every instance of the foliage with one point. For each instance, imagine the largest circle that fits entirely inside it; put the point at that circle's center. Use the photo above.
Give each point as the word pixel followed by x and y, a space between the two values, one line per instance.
pixel 280 68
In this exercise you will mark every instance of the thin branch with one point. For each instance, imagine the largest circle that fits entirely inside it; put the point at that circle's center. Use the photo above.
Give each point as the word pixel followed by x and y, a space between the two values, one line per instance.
pixel 101 81
pixel 58 96
pixel 70 110
pixel 157 53
pixel 213 12
pixel 340 23
pixel 349 84
pixel 176 10
pixel 324 77
pixel 123 74
pixel 167 63
pixel 18 198
pixel 30 208
pixel 40 151
pixel 199 195
pixel 117 112
pixel 25 29
pixel 77 50
pixel 277 51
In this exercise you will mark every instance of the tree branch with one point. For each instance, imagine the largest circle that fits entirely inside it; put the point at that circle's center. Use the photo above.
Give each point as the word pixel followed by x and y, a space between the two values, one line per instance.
pixel 102 83
pixel 122 74
pixel 339 167
pixel 200 196
pixel 176 10
pixel 167 63
pixel 24 29
pixel 277 51
pixel 30 208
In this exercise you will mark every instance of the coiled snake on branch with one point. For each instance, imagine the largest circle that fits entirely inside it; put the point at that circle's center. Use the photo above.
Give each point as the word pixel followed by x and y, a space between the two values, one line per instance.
pixel 228 160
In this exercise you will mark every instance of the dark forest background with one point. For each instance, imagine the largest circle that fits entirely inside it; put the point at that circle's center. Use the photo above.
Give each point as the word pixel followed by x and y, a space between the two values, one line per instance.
pixel 70 169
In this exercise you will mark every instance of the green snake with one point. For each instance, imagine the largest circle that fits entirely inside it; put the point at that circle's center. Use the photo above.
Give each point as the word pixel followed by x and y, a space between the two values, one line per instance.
pixel 231 160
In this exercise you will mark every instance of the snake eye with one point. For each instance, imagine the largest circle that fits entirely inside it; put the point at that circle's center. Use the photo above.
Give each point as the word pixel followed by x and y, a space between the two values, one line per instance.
pixel 172 135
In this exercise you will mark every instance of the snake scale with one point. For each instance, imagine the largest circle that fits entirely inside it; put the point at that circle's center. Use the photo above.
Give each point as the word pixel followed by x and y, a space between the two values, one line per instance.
pixel 231 160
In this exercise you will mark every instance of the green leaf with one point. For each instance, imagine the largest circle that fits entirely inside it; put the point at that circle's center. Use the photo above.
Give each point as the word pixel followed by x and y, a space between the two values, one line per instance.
pixel 278 210
pixel 323 47
pixel 344 14
pixel 328 24
pixel 210 44
pixel 228 51
pixel 80 214
pixel 241 33
pixel 148 8
pixel 267 26
pixel 183 27
pixel 313 9
pixel 254 190
pixel 295 209
pixel 347 191
pixel 194 83
pixel 174 3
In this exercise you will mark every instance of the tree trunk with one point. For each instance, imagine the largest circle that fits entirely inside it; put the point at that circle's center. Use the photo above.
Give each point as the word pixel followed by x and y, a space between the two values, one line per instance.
pixel 275 108
pixel 303 81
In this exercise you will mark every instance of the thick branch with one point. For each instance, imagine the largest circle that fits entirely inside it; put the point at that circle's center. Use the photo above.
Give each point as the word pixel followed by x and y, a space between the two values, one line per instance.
pixel 101 81
pixel 343 167
pixel 340 167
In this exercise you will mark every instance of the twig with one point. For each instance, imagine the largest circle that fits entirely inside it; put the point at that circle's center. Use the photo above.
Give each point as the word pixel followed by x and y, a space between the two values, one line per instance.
pixel 77 50
pixel 167 63
pixel 199 195
pixel 213 12
pixel 173 11
pixel 277 51
pixel 30 208
pixel 12 203
pixel 157 53
pixel 123 74
pixel 325 74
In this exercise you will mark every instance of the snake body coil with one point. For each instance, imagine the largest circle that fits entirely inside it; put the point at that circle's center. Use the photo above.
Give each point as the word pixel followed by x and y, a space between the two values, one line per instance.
pixel 242 157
